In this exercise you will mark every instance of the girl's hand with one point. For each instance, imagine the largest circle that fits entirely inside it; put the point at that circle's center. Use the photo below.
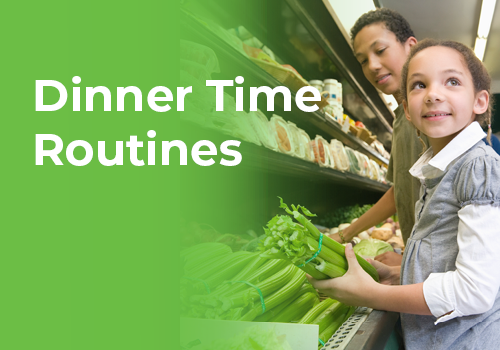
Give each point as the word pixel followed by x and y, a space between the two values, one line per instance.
pixel 388 274
pixel 354 288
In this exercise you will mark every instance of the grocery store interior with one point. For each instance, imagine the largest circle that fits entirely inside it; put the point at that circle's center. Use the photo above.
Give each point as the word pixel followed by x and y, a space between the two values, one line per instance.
pixel 334 161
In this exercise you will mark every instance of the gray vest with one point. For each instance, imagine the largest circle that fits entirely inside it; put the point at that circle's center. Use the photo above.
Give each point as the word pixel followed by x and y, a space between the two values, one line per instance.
pixel 474 178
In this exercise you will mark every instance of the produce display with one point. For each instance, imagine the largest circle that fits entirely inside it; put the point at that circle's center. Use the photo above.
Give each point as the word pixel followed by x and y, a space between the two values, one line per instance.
pixel 268 285
pixel 385 237
pixel 305 246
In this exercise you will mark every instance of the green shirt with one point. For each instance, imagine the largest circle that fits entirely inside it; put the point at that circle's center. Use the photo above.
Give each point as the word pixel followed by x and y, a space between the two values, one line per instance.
pixel 406 149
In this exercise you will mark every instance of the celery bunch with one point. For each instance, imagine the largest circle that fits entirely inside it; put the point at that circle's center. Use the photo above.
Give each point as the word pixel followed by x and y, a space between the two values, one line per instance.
pixel 329 315
pixel 298 243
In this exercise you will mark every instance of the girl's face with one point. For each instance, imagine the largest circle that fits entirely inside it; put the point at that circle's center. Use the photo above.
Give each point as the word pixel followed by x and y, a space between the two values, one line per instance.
pixel 441 100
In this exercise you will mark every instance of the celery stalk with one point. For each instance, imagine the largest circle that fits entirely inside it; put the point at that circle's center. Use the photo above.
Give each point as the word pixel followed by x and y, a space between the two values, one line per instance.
pixel 329 269
pixel 312 314
pixel 306 288
pixel 333 326
pixel 277 297
pixel 266 287
pixel 327 241
pixel 297 308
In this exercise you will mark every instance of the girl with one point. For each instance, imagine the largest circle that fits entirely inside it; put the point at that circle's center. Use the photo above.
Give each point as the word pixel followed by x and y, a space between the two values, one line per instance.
pixel 450 276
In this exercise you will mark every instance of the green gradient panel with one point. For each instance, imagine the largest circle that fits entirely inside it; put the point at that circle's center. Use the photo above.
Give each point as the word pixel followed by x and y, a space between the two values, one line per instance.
pixel 88 254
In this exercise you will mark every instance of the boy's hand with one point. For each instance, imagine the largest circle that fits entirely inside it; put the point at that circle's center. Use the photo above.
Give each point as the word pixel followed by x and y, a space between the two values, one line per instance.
pixel 351 289
pixel 389 275
pixel 390 258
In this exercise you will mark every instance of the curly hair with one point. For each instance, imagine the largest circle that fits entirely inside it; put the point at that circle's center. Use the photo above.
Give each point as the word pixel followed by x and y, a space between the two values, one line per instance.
pixel 480 77
pixel 392 20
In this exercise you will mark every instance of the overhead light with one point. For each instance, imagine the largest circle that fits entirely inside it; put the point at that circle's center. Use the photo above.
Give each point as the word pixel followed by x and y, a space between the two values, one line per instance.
pixel 479 47
pixel 486 17
pixel 483 29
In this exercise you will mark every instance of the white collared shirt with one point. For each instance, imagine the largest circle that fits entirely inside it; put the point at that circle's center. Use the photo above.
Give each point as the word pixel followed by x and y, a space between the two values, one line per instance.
pixel 472 288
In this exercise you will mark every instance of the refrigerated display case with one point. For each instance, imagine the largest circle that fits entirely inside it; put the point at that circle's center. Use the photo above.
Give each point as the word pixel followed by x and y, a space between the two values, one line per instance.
pixel 304 37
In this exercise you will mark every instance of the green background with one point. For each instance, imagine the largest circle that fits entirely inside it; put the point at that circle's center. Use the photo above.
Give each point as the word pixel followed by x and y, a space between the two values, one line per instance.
pixel 88 255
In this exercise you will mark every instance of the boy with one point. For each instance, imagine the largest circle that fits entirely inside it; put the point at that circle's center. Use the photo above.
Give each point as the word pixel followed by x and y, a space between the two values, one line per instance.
pixel 382 40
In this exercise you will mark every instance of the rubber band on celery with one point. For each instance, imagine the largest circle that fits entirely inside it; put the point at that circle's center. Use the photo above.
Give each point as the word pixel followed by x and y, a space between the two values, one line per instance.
pixel 199 280
pixel 321 341
pixel 256 288
pixel 320 242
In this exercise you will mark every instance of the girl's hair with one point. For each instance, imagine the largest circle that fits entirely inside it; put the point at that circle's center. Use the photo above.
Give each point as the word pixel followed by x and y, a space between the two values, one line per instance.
pixel 480 77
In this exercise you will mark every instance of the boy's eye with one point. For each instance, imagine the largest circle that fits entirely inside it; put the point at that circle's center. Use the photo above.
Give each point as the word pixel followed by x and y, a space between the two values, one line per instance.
pixel 363 62
pixel 381 50
pixel 453 82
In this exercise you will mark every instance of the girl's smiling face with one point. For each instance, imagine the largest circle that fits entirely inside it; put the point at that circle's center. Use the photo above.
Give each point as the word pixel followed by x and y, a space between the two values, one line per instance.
pixel 441 100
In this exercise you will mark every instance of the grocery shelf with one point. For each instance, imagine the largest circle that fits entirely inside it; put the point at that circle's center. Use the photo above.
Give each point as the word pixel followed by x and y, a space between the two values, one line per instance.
pixel 235 64
pixel 366 329
pixel 264 159
pixel 323 27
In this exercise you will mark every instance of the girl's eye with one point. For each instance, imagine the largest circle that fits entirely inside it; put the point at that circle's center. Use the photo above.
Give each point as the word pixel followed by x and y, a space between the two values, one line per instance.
pixel 417 86
pixel 453 82
pixel 363 62
pixel 381 51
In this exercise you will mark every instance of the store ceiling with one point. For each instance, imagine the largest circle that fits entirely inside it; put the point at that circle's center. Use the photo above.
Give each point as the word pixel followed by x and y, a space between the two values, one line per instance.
pixel 452 20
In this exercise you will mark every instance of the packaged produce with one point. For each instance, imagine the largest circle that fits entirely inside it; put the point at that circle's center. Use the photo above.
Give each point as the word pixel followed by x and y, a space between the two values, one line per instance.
pixel 282 135
pixel 375 168
pixel 339 155
pixel 383 173
pixel 263 129
pixel 322 153
pixel 354 166
pixel 200 54
pixel 364 164
pixel 305 143
pixel 294 134
pixel 197 70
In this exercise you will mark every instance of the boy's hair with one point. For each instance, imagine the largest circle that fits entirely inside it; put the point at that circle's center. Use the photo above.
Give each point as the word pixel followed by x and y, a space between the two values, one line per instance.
pixel 392 20
pixel 480 77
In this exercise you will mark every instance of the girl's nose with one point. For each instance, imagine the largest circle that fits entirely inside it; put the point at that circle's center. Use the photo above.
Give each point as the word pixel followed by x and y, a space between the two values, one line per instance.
pixel 433 96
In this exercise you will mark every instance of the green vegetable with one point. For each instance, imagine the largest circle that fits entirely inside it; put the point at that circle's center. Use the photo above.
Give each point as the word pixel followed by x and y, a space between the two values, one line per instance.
pixel 343 215
pixel 312 314
pixel 286 239
pixel 266 287
pixel 277 297
pixel 234 264
pixel 306 288
pixel 335 323
pixel 372 247
pixel 297 308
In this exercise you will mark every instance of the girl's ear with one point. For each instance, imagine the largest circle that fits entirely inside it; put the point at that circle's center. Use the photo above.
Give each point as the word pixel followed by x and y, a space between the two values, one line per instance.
pixel 407 114
pixel 481 102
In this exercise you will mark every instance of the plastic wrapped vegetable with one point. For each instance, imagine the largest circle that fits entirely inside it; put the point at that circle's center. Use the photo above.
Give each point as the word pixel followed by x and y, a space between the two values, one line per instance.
pixel 305 143
pixel 339 155
pixel 282 134
pixel 353 161
pixel 375 168
pixel 294 134
pixel 364 164
pixel 263 129
pixel 322 154
pixel 200 54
